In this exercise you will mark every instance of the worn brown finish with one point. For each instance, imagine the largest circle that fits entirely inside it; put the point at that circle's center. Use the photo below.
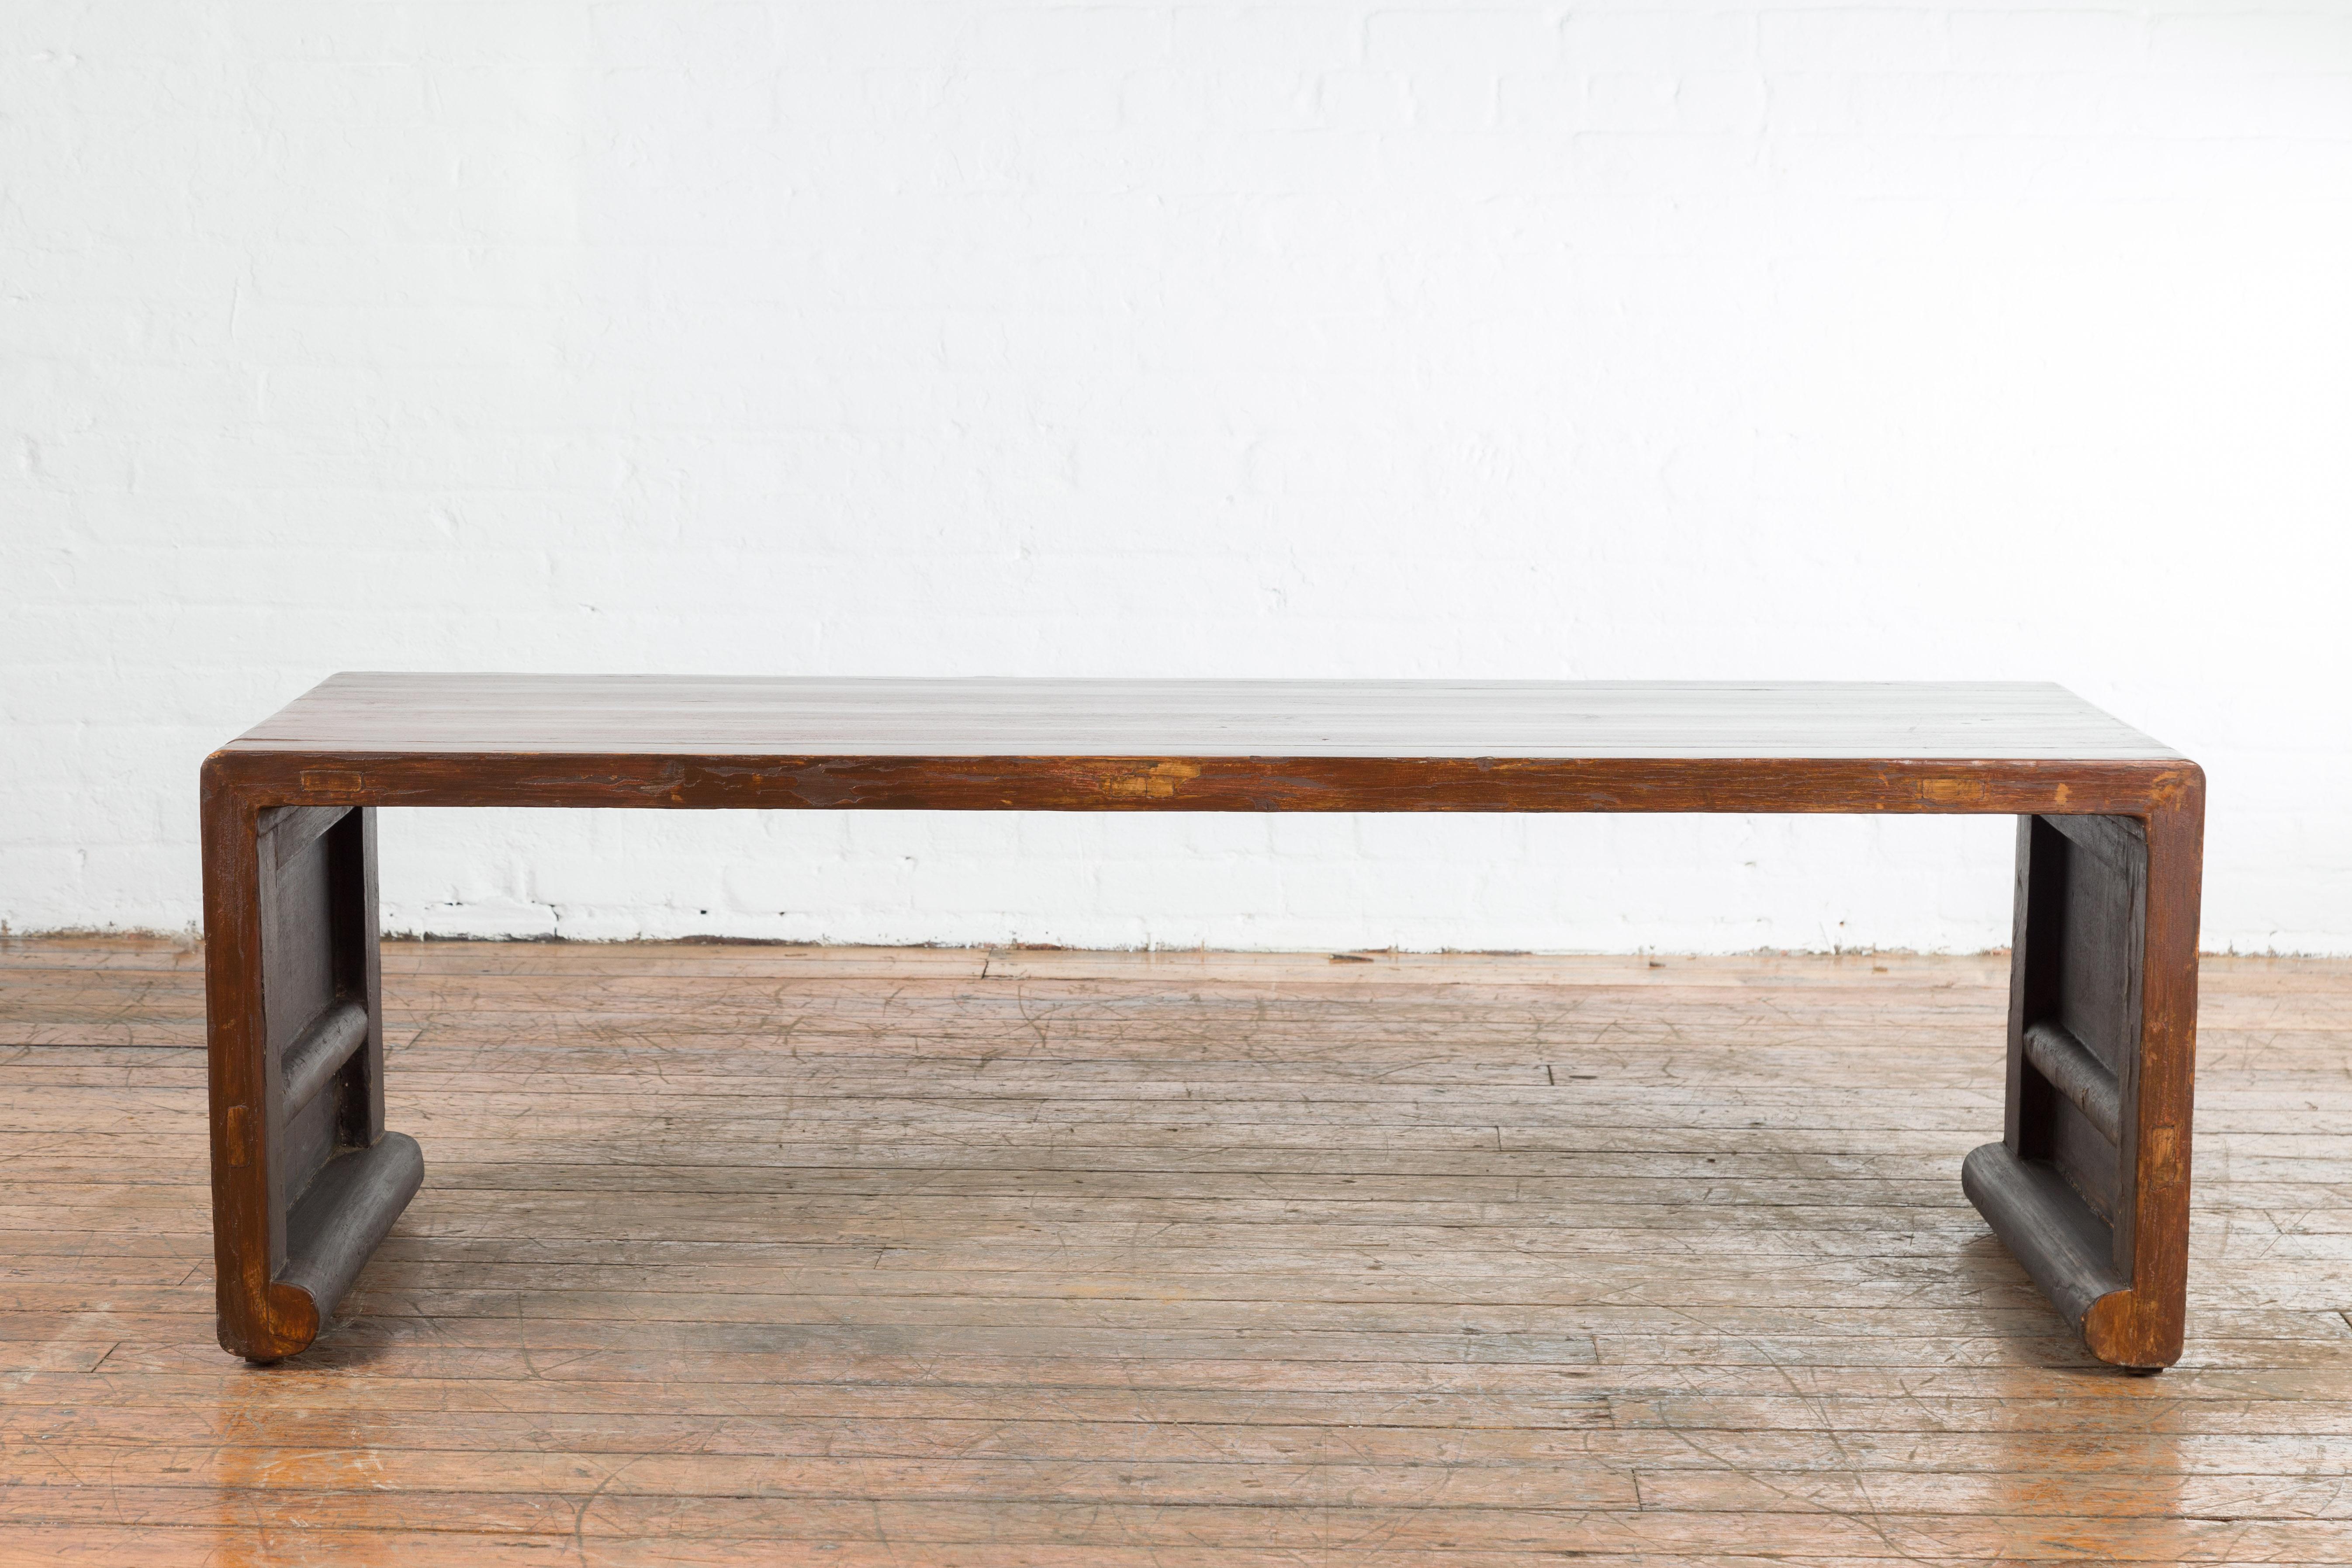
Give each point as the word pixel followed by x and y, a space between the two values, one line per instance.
pixel 697 716
pixel 2089 1185
pixel 305 1180
pixel 2121 906
pixel 754 1255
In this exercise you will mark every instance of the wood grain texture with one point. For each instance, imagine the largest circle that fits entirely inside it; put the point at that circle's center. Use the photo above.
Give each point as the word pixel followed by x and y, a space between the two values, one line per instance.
pixel 739 1255
pixel 2070 1068
pixel 294 1036
pixel 461 715
pixel 2160 1089
pixel 1083 745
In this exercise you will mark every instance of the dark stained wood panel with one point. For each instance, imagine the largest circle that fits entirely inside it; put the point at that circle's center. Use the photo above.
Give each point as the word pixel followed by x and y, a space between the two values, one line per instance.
pixel 655 715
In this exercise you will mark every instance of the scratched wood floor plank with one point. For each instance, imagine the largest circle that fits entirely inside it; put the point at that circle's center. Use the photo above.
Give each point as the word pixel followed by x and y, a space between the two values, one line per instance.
pixel 733 1255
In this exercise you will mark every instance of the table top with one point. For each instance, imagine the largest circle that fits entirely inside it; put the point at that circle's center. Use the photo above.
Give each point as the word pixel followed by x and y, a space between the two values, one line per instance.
pixel 489 715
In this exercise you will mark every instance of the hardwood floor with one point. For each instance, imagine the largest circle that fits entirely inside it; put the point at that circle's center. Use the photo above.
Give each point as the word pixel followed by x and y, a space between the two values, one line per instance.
pixel 755 1255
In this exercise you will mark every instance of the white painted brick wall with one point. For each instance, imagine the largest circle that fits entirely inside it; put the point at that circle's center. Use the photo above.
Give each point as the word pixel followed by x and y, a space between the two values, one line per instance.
pixel 1955 340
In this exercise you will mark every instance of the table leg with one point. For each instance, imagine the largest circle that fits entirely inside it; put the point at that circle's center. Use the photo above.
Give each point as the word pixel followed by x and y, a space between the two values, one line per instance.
pixel 305 1180
pixel 2090 1185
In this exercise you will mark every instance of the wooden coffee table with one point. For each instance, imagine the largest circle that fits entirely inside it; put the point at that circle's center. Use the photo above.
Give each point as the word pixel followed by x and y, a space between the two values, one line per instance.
pixel 2089 1185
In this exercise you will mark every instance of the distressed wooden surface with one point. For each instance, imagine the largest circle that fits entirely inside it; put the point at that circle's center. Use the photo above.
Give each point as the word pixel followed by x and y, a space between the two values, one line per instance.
pixel 376 712
pixel 737 1254
pixel 665 742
